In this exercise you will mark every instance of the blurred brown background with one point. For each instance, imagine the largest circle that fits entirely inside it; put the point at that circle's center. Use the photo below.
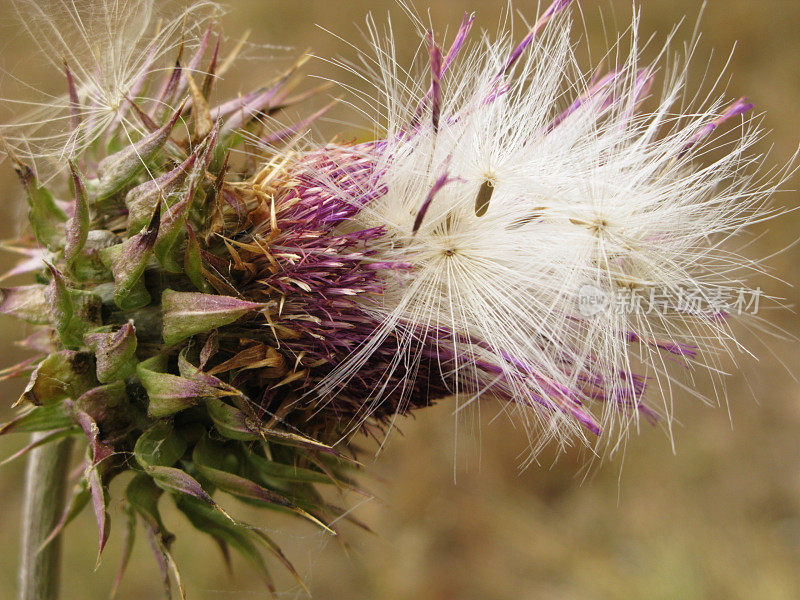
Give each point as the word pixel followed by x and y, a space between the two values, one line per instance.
pixel 719 518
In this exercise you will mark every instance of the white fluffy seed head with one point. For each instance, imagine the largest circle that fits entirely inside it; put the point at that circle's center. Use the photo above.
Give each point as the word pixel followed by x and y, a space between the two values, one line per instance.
pixel 112 50
pixel 542 184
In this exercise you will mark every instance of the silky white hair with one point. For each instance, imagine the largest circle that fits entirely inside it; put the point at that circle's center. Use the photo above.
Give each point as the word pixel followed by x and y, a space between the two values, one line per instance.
pixel 577 187
pixel 111 50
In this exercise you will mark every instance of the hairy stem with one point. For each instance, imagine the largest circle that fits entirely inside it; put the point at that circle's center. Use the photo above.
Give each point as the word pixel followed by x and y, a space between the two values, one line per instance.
pixel 43 504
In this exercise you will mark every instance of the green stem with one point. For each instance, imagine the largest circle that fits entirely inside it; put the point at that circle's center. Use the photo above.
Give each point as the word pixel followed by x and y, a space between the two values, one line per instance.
pixel 43 505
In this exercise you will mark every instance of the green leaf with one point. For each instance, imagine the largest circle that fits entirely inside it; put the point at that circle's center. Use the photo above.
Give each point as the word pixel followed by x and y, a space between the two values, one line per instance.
pixel 174 220
pixel 26 302
pixel 99 495
pixel 230 421
pixel 46 218
pixel 208 457
pixel 127 548
pixel 115 352
pixel 143 199
pixel 236 425
pixel 143 494
pixel 118 170
pixel 77 229
pixel 128 261
pixel 175 480
pixel 173 225
pixel 283 472
pixel 72 312
pixel 190 313
pixel 235 535
pixel 103 397
pixel 64 374
pixel 50 437
pixel 39 418
pixel 79 501
pixel 193 262
pixel 298 441
pixel 88 265
pixel 160 445
pixel 97 468
pixel 169 393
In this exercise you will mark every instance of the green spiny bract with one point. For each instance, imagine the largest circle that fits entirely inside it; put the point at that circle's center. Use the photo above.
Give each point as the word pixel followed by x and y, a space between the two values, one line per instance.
pixel 149 345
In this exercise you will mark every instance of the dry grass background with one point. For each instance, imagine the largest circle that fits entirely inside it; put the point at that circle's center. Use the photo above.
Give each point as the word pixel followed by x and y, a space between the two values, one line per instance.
pixel 719 518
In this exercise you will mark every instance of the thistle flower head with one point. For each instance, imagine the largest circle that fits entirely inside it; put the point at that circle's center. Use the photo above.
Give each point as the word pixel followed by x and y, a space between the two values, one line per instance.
pixel 220 310
pixel 514 188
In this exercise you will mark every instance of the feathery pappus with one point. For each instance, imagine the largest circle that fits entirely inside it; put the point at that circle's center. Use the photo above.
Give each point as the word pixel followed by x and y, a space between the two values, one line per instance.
pixel 564 247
